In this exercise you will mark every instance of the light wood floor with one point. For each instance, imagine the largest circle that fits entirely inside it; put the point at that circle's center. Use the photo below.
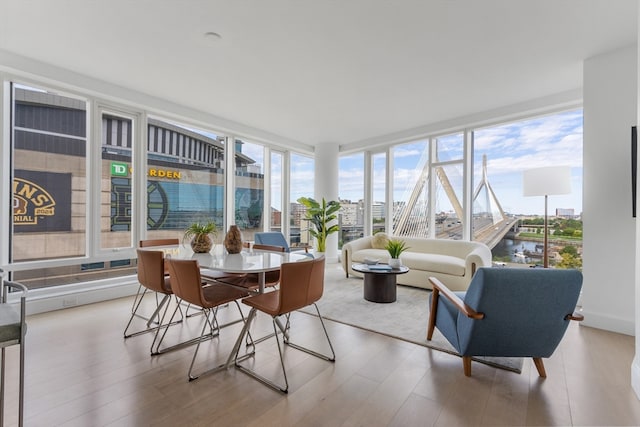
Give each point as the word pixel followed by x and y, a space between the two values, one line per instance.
pixel 81 372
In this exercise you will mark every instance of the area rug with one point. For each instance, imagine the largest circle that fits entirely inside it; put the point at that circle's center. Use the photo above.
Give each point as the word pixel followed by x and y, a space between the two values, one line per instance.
pixel 405 319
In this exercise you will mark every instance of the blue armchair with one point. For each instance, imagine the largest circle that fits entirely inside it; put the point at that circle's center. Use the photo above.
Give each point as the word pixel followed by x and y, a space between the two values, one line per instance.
pixel 506 312
pixel 274 238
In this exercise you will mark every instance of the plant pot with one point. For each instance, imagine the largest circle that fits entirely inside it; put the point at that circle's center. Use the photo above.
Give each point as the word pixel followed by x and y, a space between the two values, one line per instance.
pixel 395 262
pixel 201 243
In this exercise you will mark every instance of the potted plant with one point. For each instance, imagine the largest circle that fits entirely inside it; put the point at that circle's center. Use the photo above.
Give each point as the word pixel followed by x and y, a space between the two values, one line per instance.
pixel 200 235
pixel 320 215
pixel 395 247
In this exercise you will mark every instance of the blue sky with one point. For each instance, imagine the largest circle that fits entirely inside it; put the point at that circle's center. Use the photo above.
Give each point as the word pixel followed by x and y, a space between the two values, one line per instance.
pixel 552 140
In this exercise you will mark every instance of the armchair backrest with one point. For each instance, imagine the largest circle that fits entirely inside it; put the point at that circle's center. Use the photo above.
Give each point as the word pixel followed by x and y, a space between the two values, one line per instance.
pixel 272 238
pixel 525 311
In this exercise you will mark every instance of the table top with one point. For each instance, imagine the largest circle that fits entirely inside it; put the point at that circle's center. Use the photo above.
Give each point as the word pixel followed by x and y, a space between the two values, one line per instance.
pixel 364 268
pixel 247 261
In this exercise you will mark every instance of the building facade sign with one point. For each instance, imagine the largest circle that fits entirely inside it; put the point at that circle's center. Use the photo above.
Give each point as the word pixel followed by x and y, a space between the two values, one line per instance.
pixel 41 201
pixel 123 169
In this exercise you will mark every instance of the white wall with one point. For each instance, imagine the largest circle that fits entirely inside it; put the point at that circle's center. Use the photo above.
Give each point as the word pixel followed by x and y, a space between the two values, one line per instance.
pixel 610 109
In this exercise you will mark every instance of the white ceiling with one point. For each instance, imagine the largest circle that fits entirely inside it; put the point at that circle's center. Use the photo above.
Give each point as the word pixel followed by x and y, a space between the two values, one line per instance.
pixel 318 71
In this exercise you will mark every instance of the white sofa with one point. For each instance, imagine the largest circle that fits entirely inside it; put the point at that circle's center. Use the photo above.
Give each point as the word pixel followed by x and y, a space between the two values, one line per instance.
pixel 452 261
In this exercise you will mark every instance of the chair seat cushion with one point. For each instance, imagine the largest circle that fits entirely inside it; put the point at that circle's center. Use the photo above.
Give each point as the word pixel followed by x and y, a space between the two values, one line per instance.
pixel 9 324
pixel 267 303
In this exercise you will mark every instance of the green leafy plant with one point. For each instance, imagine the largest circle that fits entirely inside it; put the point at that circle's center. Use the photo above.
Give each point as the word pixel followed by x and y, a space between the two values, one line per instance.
pixel 199 234
pixel 321 215
pixel 395 247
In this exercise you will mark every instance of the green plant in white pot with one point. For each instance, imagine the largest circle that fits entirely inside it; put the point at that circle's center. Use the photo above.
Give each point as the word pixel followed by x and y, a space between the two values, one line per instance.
pixel 321 215
pixel 395 247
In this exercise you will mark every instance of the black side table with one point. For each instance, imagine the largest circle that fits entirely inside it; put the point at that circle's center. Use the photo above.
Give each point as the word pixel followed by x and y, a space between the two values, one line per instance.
pixel 379 284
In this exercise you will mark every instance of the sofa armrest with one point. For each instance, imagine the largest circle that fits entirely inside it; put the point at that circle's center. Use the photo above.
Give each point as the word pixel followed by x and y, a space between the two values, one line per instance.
pixel 479 257
pixel 353 246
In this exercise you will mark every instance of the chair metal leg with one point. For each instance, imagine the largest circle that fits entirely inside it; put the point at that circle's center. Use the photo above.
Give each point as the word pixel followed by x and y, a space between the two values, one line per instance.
pixel 331 358
pixel 234 352
pixel 155 345
pixel 156 313
pixel 262 379
pixel 21 398
pixel 277 328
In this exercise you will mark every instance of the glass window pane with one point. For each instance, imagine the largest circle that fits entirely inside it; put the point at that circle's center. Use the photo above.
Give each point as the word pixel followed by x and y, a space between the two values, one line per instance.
pixel 448 208
pixel 301 178
pixel 411 189
pixel 249 189
pixel 116 197
pixel 351 196
pixel 379 179
pixel 501 154
pixel 185 179
pixel 49 175
pixel 450 147
pixel 275 220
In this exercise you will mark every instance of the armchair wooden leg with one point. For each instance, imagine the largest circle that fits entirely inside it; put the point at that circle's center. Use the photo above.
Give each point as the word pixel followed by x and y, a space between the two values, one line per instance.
pixel 466 362
pixel 540 367
pixel 432 315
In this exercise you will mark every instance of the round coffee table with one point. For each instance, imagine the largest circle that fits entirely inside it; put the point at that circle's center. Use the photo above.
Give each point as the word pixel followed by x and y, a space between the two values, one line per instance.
pixel 379 281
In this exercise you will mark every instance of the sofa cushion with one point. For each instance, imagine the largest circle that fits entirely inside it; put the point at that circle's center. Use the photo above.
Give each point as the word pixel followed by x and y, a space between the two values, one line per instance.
pixel 380 254
pixel 434 262
pixel 379 240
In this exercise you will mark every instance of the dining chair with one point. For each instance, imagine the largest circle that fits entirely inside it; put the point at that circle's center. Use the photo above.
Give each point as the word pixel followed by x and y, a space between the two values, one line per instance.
pixel 187 284
pixel 152 278
pixel 271 278
pixel 146 243
pixel 301 284
pixel 13 329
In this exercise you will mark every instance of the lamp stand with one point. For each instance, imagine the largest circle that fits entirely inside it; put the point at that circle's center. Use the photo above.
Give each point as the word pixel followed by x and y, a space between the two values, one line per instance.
pixel 545 255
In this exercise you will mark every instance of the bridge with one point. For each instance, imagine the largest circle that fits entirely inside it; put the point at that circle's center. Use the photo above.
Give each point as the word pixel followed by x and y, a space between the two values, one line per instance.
pixel 490 224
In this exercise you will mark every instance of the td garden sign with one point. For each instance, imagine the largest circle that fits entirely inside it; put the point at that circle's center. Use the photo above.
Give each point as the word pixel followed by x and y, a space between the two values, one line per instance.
pixel 123 169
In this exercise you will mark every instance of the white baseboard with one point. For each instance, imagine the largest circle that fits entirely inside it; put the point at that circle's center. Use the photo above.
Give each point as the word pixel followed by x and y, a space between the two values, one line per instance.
pixel 608 322
pixel 43 300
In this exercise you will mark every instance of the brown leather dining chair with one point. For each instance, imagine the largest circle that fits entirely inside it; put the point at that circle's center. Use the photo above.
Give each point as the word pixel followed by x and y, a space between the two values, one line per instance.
pixel 301 284
pixel 187 284
pixel 151 276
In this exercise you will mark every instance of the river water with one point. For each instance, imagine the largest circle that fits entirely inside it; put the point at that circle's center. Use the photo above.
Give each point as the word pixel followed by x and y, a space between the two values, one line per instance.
pixel 516 248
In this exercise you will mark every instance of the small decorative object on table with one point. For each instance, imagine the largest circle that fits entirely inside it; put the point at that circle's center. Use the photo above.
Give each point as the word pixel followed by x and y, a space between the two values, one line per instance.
pixel 395 247
pixel 233 240
pixel 200 233
pixel 370 261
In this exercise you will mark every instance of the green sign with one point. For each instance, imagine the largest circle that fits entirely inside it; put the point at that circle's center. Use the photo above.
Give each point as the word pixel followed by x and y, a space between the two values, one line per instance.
pixel 119 169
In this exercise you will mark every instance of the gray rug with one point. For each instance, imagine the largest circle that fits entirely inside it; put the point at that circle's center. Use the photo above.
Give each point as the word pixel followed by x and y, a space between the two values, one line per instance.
pixel 405 319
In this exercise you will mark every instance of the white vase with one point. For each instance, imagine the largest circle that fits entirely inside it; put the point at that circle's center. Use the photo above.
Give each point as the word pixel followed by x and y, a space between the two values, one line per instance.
pixel 395 262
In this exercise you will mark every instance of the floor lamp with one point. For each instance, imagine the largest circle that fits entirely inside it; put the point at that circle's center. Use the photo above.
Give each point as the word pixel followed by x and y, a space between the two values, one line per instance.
pixel 546 181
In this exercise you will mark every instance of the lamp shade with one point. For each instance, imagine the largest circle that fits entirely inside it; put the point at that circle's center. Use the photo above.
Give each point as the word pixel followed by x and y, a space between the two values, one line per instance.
pixel 546 181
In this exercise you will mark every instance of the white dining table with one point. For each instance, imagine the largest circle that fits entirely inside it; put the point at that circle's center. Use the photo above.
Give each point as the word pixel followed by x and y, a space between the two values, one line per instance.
pixel 248 261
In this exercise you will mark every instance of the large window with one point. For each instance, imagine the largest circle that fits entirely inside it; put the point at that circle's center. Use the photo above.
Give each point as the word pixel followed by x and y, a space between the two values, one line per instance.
pixel 411 189
pixel 275 211
pixel 506 220
pixel 379 189
pixel 249 188
pixel 351 195
pixel 301 178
